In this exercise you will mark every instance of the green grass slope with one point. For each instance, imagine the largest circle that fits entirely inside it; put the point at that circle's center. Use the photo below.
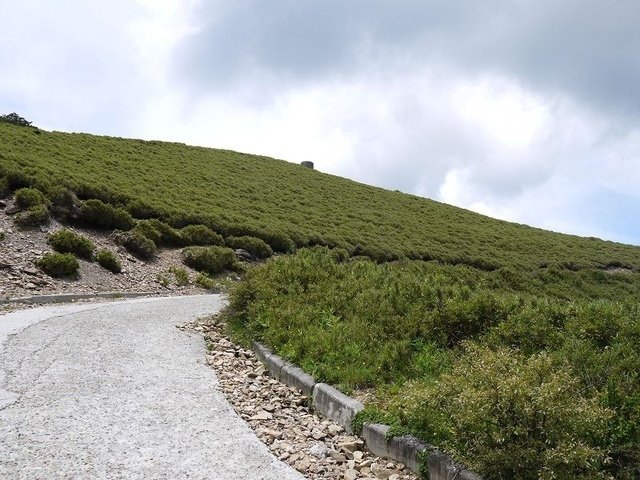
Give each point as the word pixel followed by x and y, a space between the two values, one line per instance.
pixel 236 193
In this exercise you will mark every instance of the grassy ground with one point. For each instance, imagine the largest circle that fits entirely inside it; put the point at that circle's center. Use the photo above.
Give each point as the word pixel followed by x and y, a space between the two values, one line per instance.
pixel 499 369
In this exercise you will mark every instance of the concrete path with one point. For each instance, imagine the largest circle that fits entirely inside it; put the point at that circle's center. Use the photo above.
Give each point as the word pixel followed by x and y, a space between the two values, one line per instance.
pixel 115 391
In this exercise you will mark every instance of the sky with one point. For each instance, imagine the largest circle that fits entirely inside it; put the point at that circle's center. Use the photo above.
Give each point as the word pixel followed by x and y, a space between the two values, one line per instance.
pixel 524 110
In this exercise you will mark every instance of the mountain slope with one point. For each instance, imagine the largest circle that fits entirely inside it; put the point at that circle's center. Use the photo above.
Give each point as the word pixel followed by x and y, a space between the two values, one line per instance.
pixel 237 193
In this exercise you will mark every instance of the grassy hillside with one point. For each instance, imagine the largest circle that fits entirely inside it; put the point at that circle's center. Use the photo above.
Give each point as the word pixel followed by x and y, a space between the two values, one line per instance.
pixel 236 193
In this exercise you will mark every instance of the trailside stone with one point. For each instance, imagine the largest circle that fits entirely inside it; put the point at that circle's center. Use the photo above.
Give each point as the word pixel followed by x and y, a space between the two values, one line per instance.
pixel 334 404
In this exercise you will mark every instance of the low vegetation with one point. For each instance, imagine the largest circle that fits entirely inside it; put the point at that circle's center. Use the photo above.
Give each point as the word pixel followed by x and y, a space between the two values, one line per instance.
pixel 255 246
pixel 137 244
pixel 59 265
pixel 209 260
pixel 67 241
pixel 109 261
pixel 499 369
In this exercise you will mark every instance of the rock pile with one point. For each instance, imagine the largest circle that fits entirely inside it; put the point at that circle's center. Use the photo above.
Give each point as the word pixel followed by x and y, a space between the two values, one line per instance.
pixel 281 417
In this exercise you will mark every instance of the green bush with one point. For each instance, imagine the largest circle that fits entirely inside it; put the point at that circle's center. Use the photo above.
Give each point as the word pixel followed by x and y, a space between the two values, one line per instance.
pixel 64 203
pixel 181 275
pixel 146 228
pixel 109 261
pixel 30 197
pixel 211 260
pixel 33 217
pixel 255 246
pixel 59 264
pixel 136 243
pixel 67 241
pixel 102 215
pixel 204 281
pixel 140 209
pixel 200 235
pixel 169 236
pixel 509 416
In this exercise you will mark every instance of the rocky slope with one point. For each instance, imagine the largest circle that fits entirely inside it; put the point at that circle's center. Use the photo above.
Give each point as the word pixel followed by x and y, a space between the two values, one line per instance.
pixel 20 248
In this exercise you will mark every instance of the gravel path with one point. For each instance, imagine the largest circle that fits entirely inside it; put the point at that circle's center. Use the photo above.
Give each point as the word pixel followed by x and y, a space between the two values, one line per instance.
pixel 114 390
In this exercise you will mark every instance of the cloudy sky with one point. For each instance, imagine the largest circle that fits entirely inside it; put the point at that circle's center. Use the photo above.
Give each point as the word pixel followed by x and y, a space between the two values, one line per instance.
pixel 526 110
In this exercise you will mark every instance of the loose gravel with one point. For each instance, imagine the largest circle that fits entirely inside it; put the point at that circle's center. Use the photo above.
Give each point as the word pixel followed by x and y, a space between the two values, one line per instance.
pixel 282 418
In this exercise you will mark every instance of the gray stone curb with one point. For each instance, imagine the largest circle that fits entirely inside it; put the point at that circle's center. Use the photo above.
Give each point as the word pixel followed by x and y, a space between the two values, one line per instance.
pixel 342 409
pixel 72 297
pixel 270 360
pixel 334 404
pixel 442 467
pixel 405 449
pixel 296 377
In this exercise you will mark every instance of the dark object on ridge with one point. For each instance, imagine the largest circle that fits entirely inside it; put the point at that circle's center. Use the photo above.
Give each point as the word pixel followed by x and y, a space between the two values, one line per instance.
pixel 15 119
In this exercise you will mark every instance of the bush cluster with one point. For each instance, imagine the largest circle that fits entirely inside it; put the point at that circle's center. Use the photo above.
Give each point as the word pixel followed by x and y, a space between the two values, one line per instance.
pixel 109 261
pixel 35 208
pixel 255 246
pixel 67 241
pixel 210 260
pixel 136 243
pixel 204 281
pixel 59 264
pixel 496 367
pixel 15 119
pixel 29 197
pixel 33 217
pixel 181 275
pixel 199 235
pixel 102 215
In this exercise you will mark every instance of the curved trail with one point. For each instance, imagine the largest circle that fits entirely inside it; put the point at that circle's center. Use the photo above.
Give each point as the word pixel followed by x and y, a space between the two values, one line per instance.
pixel 115 391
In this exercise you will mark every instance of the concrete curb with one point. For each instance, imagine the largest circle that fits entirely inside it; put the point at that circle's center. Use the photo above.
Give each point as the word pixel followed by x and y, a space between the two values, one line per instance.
pixel 296 377
pixel 333 404
pixel 270 360
pixel 442 467
pixel 406 449
pixel 72 297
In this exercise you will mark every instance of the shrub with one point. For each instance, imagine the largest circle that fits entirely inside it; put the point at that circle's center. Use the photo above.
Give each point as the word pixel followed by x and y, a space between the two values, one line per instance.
pixel 30 197
pixel 209 259
pixel 137 244
pixel 59 264
pixel 102 215
pixel 168 235
pixel 204 281
pixel 66 241
pixel 15 119
pixel 140 209
pixel 109 261
pixel 64 203
pixel 146 228
pixel 33 217
pixel 279 241
pixel 507 415
pixel 255 246
pixel 200 235
pixel 181 275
